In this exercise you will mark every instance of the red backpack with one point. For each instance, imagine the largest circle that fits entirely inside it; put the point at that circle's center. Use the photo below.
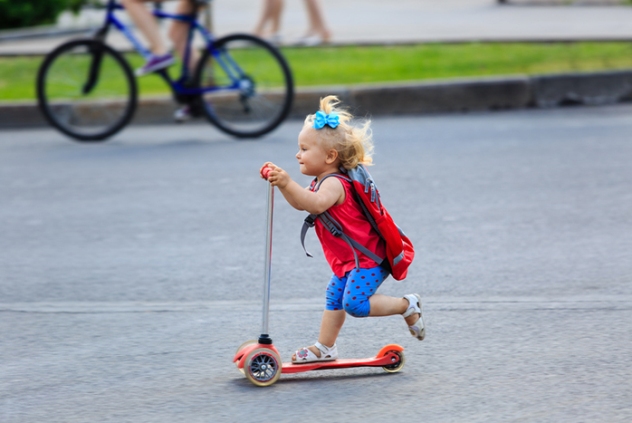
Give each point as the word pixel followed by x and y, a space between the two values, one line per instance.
pixel 399 249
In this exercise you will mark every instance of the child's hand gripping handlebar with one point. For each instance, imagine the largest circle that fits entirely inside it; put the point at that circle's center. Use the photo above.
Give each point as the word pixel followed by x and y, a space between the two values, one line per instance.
pixel 275 175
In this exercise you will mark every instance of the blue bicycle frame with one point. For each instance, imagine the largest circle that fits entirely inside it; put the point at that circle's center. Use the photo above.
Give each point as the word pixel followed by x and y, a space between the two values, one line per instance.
pixel 178 86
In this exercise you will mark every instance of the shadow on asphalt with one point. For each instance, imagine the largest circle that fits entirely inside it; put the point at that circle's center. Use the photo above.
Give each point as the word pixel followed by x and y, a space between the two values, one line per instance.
pixel 322 376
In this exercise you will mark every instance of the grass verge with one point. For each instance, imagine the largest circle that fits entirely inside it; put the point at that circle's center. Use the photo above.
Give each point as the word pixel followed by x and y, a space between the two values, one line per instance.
pixel 373 64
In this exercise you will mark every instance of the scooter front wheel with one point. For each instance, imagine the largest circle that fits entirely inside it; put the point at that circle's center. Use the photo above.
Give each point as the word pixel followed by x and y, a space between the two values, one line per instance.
pixel 262 367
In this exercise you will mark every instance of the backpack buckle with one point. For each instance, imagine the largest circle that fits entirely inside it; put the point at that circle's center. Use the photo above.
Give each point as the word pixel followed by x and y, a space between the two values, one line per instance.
pixel 335 231
pixel 311 220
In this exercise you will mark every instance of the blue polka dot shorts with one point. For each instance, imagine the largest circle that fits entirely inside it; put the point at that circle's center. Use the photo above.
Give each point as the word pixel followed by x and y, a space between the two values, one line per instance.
pixel 352 292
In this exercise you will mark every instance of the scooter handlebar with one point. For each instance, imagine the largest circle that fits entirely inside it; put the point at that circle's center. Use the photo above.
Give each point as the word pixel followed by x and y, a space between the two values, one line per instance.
pixel 265 172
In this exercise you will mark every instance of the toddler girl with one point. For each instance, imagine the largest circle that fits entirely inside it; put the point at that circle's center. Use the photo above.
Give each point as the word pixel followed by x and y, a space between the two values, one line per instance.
pixel 329 141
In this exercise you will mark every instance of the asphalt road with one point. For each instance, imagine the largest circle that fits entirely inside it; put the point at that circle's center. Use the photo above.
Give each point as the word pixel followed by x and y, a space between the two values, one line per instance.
pixel 131 270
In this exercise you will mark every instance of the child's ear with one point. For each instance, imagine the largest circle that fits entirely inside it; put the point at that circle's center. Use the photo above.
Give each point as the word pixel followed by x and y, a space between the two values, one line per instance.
pixel 332 156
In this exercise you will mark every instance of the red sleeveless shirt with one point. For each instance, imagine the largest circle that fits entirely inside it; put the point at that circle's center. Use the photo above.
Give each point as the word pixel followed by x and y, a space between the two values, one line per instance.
pixel 338 253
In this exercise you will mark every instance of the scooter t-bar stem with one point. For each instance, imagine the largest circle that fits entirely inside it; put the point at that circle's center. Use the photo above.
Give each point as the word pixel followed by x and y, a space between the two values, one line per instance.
pixel 264 338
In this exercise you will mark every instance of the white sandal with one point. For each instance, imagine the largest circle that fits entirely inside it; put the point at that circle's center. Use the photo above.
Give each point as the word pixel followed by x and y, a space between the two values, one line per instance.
pixel 417 329
pixel 305 355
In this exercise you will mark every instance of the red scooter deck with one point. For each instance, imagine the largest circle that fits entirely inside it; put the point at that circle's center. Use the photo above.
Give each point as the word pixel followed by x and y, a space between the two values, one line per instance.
pixel 386 357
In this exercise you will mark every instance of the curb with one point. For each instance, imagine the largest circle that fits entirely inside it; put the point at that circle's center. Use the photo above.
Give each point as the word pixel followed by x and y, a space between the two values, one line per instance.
pixel 463 95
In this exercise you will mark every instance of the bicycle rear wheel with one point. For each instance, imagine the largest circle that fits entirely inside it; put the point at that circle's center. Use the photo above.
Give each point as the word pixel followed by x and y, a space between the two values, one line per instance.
pixel 86 90
pixel 248 86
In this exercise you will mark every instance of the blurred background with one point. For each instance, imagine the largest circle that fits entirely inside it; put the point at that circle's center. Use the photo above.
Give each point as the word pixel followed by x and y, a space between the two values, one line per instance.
pixel 371 41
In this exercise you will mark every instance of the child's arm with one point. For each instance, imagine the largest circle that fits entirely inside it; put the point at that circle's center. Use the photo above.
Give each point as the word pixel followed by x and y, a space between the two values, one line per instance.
pixel 331 191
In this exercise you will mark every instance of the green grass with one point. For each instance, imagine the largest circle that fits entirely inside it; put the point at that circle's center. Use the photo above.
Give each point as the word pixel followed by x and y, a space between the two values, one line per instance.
pixel 358 65
pixel 355 65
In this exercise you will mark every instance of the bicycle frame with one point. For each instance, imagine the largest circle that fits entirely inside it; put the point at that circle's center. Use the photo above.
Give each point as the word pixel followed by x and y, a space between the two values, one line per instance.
pixel 178 86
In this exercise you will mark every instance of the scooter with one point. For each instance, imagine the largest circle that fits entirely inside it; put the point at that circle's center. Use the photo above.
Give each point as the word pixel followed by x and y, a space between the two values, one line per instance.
pixel 261 362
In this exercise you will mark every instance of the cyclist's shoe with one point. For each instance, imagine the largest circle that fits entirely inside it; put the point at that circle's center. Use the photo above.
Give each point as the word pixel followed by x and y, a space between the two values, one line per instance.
pixel 183 114
pixel 186 113
pixel 156 63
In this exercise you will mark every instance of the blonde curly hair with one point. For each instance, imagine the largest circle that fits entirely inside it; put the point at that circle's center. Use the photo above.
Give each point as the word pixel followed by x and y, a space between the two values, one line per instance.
pixel 354 144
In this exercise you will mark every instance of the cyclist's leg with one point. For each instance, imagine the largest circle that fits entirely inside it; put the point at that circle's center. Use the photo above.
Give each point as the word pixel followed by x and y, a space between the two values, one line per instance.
pixel 179 32
pixel 148 26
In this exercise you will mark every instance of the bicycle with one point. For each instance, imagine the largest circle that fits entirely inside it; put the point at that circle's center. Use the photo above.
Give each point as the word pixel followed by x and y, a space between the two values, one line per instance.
pixel 241 84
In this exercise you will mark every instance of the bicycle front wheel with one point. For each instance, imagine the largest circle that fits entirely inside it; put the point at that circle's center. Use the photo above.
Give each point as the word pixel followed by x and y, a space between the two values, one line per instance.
pixel 86 90
pixel 247 86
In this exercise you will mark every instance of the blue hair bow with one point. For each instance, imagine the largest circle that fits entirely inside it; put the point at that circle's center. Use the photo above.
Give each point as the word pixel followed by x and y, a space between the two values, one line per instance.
pixel 321 119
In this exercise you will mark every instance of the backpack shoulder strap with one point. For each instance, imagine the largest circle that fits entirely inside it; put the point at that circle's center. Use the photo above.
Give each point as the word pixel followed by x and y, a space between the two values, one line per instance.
pixel 315 186
pixel 334 227
pixel 310 220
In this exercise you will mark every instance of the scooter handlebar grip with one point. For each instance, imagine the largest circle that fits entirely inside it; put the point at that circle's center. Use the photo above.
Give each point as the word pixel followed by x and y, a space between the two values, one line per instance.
pixel 265 172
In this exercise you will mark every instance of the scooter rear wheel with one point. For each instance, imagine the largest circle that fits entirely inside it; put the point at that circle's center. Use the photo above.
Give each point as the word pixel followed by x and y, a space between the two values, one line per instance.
pixel 396 366
pixel 262 367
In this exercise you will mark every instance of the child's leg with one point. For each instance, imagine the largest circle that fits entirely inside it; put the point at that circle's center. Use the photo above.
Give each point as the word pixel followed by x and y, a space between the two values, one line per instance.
pixel 409 307
pixel 355 294
pixel 330 326
pixel 382 305
pixel 333 316
pixel 360 300
pixel 361 286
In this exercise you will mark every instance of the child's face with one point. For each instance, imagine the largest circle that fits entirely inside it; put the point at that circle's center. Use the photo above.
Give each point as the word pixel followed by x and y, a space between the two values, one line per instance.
pixel 311 157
